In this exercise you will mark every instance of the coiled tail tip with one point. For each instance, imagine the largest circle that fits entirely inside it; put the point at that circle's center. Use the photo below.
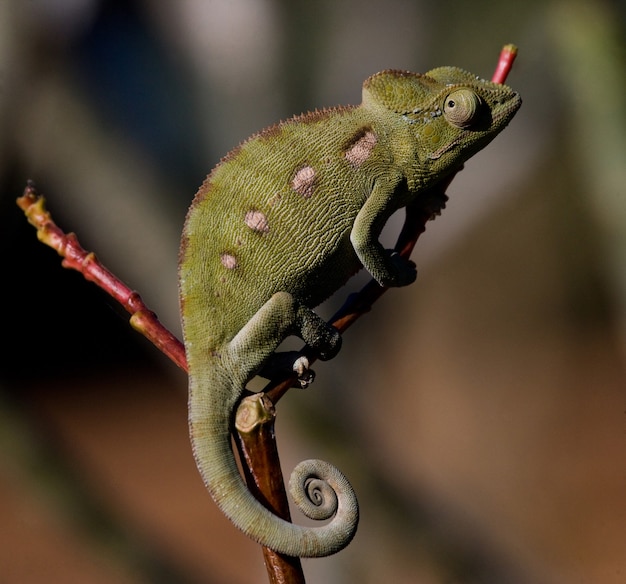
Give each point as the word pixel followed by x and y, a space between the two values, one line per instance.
pixel 322 492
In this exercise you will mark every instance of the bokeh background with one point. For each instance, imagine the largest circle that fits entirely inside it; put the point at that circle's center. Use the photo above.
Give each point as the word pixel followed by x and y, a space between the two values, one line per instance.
pixel 480 414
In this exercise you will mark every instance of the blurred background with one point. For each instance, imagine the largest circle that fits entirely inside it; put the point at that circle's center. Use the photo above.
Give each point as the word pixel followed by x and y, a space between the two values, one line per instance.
pixel 480 414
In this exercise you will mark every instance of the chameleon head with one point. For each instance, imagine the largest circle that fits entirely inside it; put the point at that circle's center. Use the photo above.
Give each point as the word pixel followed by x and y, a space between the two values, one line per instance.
pixel 444 116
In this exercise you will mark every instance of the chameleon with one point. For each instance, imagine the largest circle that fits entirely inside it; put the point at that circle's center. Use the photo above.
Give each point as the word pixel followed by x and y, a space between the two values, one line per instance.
pixel 278 226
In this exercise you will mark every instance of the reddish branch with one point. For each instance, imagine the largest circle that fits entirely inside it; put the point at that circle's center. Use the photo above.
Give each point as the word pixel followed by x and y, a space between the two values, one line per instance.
pixel 505 63
pixel 257 446
pixel 75 257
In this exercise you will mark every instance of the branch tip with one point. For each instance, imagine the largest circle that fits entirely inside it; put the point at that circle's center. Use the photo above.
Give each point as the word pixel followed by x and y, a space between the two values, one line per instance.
pixel 505 63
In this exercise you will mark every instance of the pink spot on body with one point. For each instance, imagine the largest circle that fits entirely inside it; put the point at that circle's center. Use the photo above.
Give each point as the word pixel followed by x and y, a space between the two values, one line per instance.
pixel 304 181
pixel 361 150
pixel 228 261
pixel 257 221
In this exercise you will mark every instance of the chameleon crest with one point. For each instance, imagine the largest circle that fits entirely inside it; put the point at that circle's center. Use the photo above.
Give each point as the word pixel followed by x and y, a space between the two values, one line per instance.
pixel 278 226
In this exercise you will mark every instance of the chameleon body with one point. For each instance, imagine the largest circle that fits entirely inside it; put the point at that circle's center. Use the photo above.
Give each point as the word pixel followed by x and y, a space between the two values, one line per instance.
pixel 281 223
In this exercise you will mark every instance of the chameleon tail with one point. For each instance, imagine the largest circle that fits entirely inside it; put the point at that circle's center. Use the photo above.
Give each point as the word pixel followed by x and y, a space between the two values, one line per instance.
pixel 318 488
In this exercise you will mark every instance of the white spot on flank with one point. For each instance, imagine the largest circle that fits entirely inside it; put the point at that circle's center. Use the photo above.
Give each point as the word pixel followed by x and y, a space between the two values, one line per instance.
pixel 257 221
pixel 360 151
pixel 228 261
pixel 304 181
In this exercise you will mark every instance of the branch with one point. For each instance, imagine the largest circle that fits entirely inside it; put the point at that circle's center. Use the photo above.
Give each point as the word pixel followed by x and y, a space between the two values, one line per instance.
pixel 255 417
pixel 505 64
pixel 142 319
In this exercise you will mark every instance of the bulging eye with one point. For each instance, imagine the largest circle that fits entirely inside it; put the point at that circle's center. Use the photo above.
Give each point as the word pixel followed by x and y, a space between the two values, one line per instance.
pixel 462 107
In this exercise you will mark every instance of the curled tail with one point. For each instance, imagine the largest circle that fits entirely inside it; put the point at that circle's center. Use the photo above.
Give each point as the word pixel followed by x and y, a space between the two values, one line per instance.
pixel 215 388
pixel 318 488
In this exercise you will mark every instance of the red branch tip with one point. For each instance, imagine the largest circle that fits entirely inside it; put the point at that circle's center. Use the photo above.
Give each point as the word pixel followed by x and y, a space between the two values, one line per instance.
pixel 505 63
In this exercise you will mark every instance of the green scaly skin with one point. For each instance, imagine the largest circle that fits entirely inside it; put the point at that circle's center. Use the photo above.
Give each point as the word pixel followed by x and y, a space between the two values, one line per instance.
pixel 284 221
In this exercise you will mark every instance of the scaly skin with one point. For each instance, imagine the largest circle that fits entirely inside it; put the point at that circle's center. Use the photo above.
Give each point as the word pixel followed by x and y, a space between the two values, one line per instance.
pixel 284 221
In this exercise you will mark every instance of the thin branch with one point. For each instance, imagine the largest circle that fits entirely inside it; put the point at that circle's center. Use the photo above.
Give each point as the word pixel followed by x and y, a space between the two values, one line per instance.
pixel 257 444
pixel 75 257
pixel 505 64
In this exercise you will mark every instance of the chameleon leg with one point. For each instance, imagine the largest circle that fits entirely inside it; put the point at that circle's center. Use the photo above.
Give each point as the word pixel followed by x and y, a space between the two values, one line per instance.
pixel 317 333
pixel 282 315
pixel 386 267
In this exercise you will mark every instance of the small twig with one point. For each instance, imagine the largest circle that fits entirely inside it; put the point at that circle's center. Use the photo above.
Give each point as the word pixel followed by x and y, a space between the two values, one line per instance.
pixel 75 257
pixel 505 63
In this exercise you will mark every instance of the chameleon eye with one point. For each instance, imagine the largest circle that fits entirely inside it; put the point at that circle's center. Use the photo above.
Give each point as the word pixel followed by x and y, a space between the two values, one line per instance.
pixel 462 107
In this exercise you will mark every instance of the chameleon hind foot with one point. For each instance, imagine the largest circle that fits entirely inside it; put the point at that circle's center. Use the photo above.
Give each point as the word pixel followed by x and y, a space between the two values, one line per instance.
pixel 284 363
pixel 306 376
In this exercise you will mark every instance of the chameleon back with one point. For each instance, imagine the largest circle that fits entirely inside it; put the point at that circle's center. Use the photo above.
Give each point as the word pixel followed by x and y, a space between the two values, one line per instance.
pixel 259 221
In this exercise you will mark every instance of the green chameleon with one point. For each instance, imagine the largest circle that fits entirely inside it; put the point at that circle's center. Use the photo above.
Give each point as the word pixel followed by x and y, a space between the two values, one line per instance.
pixel 282 222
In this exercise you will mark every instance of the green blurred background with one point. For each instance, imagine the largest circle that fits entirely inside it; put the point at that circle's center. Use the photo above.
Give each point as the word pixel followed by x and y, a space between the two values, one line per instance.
pixel 480 414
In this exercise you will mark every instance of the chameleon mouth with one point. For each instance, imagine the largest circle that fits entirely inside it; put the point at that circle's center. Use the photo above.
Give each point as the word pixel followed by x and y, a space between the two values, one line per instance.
pixel 513 104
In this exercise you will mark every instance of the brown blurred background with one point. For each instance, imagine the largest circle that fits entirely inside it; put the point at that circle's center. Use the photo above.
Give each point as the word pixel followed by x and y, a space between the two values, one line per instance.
pixel 480 414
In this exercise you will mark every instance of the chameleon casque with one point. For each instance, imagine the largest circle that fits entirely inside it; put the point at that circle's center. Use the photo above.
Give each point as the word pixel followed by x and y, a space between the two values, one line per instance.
pixel 281 223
